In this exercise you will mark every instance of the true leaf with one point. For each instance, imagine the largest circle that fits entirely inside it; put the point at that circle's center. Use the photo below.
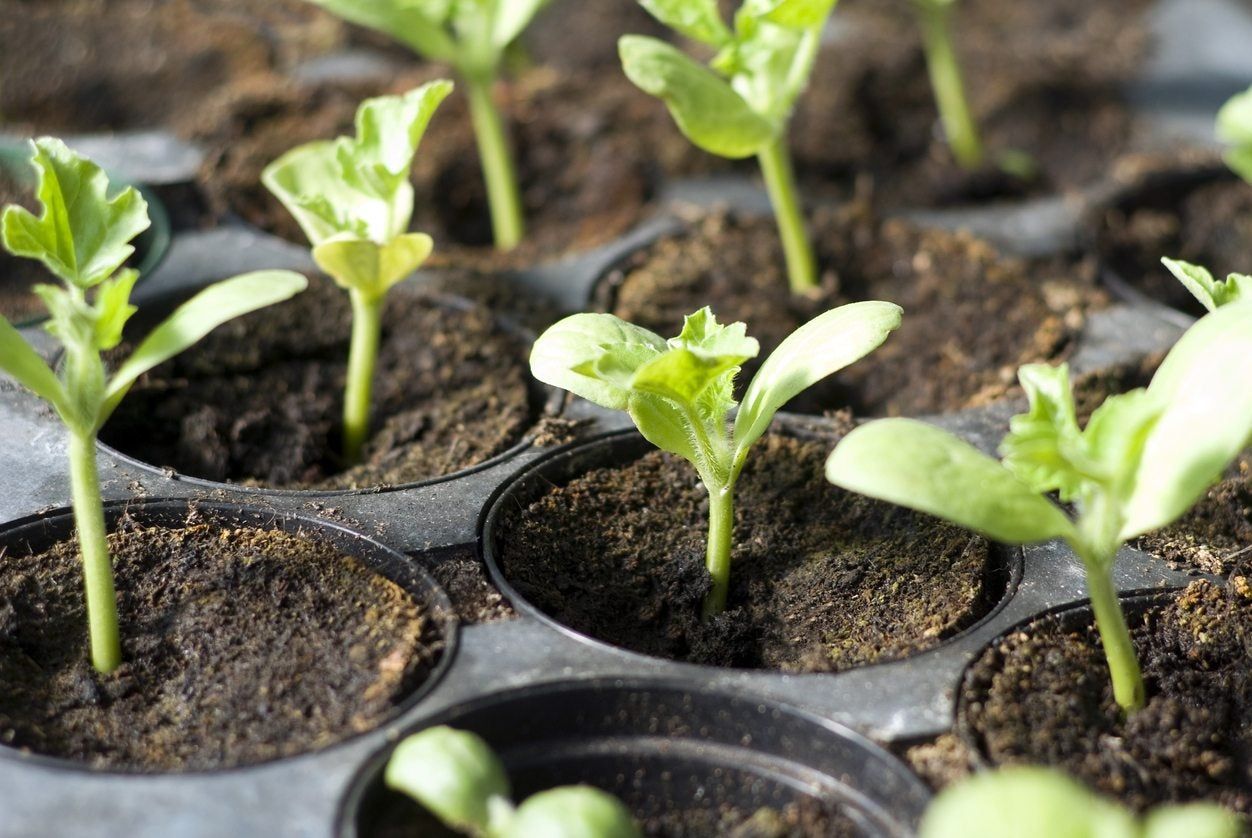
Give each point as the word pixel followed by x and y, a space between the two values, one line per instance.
pixel 566 356
pixel 23 364
pixel 419 24
pixel 699 20
pixel 1211 292
pixel 1044 446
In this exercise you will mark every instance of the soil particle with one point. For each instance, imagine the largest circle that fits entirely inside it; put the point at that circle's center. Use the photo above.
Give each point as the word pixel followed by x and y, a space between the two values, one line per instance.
pixel 1043 695
pixel 17 275
pixel 823 580
pixel 1182 209
pixel 202 687
pixel 971 316
pixel 1215 536
pixel 940 762
pixel 474 599
pixel 259 401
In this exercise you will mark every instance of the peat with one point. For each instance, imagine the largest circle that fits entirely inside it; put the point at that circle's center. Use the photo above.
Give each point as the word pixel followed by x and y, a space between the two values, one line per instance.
pixel 240 646
pixel 1215 536
pixel 823 580
pixel 259 401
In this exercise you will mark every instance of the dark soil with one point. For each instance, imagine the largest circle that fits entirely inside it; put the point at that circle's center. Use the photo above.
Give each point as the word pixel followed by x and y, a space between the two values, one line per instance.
pixel 940 762
pixel 588 160
pixel 259 401
pixel 971 316
pixel 241 646
pixel 18 303
pixel 576 36
pixel 1199 218
pixel 823 579
pixel 474 599
pixel 64 68
pixel 1043 696
pixel 396 816
pixel 1215 536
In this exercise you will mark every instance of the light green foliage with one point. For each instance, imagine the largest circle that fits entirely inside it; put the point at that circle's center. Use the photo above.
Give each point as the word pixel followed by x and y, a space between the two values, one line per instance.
pixel 353 199
pixel 1030 802
pixel 83 236
pixel 680 392
pixel 741 102
pixel 455 775
pixel 1143 459
pixel 1212 293
pixel 1234 128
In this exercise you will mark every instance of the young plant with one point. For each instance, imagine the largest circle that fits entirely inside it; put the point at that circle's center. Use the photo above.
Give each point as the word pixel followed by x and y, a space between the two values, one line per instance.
pixel 1212 293
pixel 353 199
pixel 83 237
pixel 1234 128
pixel 948 83
pixel 1032 802
pixel 680 392
pixel 474 36
pixel 741 104
pixel 457 778
pixel 1144 458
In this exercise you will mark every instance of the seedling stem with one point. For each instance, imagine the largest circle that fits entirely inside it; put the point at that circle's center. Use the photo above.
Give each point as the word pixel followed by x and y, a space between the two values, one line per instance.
pixel 948 83
pixel 367 315
pixel 507 222
pixel 780 181
pixel 106 644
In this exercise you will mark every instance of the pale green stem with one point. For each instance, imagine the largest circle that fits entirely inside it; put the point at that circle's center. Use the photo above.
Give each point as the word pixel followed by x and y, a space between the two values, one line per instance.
pixel 1119 650
pixel 106 645
pixel 503 197
pixel 780 181
pixel 949 86
pixel 367 321
pixel 721 530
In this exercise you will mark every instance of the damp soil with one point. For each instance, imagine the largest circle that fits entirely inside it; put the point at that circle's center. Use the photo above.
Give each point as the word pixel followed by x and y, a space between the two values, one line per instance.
pixel 590 154
pixel 240 646
pixel 1195 213
pixel 18 276
pixel 1042 695
pixel 474 599
pixel 395 816
pixel 259 402
pixel 823 579
pixel 972 317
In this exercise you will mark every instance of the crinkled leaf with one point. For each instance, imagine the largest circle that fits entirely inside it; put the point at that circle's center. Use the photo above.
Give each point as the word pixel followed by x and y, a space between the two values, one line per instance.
pixel 664 425
pixel 215 305
pixel 452 773
pixel 1205 386
pixel 113 309
pixel 819 348
pixel 682 375
pixel 1211 293
pixel 702 334
pixel 1044 446
pixel 308 181
pixel 389 130
pixel 23 364
pixel 572 812
pixel 916 465
pixel 706 109
pixel 699 20
pixel 82 235
pixel 369 267
pixel 419 24
pixel 568 353
pixel 793 14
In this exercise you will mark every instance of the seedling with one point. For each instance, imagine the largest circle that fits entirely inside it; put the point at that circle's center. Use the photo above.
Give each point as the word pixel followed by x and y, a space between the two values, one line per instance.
pixel 741 104
pixel 948 83
pixel 83 237
pixel 1212 293
pixel 1144 458
pixel 1032 802
pixel 455 775
pixel 1234 128
pixel 474 36
pixel 680 392
pixel 353 199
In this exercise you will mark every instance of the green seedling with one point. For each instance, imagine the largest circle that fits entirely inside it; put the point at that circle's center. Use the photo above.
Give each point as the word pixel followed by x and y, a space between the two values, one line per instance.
pixel 455 775
pixel 680 392
pixel 353 199
pixel 1234 128
pixel 1212 293
pixel 948 83
pixel 1143 459
pixel 474 37
pixel 83 238
pixel 1032 802
pixel 741 104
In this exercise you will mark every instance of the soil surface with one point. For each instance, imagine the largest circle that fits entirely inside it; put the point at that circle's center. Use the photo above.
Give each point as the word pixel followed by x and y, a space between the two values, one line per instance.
pixel 474 599
pixel 823 579
pixel 971 316
pixel 259 401
pixel 1204 219
pixel 1216 535
pixel 1043 696
pixel 225 636
pixel 18 303
pixel 396 816
pixel 587 159
pixel 65 71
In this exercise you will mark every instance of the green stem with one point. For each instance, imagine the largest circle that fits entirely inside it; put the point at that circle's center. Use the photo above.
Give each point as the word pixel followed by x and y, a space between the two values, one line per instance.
pixel 780 181
pixel 106 645
pixel 721 529
pixel 949 86
pixel 367 323
pixel 503 197
pixel 1119 650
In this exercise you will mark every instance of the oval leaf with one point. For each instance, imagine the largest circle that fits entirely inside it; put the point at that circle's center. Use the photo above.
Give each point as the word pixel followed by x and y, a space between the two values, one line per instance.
pixel 369 267
pixel 23 364
pixel 453 773
pixel 572 812
pixel 579 353
pixel 919 466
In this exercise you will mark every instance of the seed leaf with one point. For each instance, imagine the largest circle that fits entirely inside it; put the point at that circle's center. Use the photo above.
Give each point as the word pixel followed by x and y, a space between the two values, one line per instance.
pixel 452 773
pixel 370 267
